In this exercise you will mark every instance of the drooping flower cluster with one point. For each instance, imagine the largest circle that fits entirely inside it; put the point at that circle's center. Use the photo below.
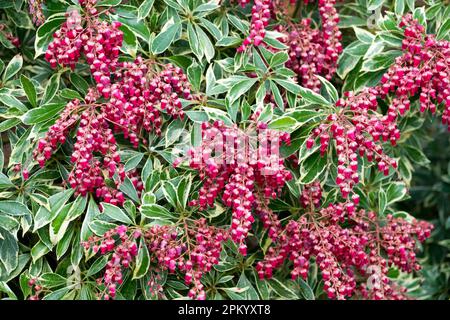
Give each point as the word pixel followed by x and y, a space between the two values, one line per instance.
pixel 315 51
pixel 358 127
pixel 35 287
pixel 35 9
pixel 357 130
pixel 124 249
pixel 191 249
pixel 424 69
pixel 246 169
pixel 9 36
pixel 141 93
pixel 260 20
pixel 193 252
pixel 347 245
pixel 98 40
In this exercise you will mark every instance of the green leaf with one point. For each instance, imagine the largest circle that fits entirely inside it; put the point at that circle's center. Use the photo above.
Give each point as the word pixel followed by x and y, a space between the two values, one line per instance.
pixel 14 208
pixel 382 201
pixel 5 182
pixel 416 155
pixel 283 291
pixel 419 14
pixel 79 83
pixel 363 35
pixel 240 88
pixel 128 188
pixel 329 89
pixel 183 191
pixel 142 261
pixel 100 227
pixel 42 114
pixel 97 266
pixel 209 6
pixel 312 167
pixel 8 124
pixel 395 192
pixel 305 289
pixel 194 73
pixel 444 30
pixel 278 59
pixel 70 94
pixel 7 99
pixel 205 43
pixel 145 8
pixel 38 251
pixel 374 4
pixel 91 213
pixel 283 123
pixel 44 34
pixel 9 250
pixel 108 3
pixel 29 89
pixel 57 295
pixel 19 18
pixel 51 280
pixel 289 86
pixel 116 213
pixel 163 40
pixel 276 94
pixel 155 211
pixel 193 41
pixel 346 63
pixel 130 42
pixel 51 88
pixel 250 293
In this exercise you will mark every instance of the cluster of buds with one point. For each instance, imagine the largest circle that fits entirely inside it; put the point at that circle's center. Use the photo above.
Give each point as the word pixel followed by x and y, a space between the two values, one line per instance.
pixel 192 250
pixel 358 130
pixel 423 69
pixel 246 169
pixel 36 288
pixel 86 34
pixel 95 153
pixel 124 249
pixel 35 9
pixel 142 92
pixel 346 244
pixel 260 20
pixel 315 51
pixel 9 36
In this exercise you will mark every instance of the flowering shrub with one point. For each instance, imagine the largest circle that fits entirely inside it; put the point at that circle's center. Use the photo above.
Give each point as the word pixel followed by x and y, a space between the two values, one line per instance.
pixel 222 149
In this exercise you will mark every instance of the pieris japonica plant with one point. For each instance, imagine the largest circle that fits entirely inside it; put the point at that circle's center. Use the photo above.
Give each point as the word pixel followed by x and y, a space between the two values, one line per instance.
pixel 222 149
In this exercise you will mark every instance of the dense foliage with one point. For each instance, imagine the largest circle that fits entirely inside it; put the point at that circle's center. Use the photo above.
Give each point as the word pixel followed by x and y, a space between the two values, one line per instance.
pixel 266 149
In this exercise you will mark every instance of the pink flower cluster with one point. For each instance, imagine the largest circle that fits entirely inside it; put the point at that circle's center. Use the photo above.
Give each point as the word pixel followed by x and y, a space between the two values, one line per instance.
pixel 358 129
pixel 346 244
pixel 191 248
pixel 423 69
pixel 9 36
pixel 35 9
pixel 141 92
pixel 193 251
pixel 86 34
pixel 315 51
pixel 247 176
pixel 124 250
pixel 260 20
